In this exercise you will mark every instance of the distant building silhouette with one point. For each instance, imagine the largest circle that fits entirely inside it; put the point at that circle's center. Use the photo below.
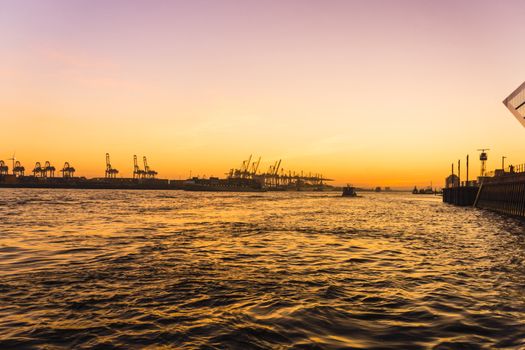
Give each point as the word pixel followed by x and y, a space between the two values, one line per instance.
pixel 452 181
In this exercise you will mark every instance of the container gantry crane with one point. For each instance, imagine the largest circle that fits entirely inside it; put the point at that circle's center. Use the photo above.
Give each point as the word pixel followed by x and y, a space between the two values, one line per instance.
pixel 149 172
pixel 49 170
pixel 38 171
pixel 137 172
pixel 276 172
pixel 67 170
pixel 110 171
pixel 4 169
pixel 255 167
pixel 18 169
pixel 246 167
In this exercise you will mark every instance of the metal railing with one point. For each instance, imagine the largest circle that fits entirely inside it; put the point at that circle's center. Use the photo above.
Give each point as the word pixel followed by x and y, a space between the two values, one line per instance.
pixel 511 169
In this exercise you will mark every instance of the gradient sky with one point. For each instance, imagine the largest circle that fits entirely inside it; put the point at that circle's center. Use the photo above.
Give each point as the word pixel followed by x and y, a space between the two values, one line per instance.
pixel 366 92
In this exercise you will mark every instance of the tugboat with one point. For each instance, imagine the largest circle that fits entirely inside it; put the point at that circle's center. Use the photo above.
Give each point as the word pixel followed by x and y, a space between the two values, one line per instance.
pixel 349 191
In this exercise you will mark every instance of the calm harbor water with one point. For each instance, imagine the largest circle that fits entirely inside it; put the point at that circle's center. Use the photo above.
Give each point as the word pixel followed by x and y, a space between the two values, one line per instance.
pixel 133 269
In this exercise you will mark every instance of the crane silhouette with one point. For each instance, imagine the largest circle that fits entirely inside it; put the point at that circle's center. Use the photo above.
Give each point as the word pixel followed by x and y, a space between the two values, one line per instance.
pixel 49 170
pixel 4 169
pixel 67 170
pixel 137 172
pixel 149 172
pixel 110 171
pixel 18 169
pixel 38 171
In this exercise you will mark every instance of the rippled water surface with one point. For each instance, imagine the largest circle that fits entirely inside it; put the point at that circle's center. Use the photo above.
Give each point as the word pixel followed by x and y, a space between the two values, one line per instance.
pixel 136 269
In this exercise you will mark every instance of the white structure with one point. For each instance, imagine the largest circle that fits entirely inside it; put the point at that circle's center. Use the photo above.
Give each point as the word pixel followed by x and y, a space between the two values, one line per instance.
pixel 516 103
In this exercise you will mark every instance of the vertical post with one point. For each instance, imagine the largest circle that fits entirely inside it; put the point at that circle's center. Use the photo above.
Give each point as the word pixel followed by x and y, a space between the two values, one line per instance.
pixel 459 173
pixel 467 169
pixel 503 163
pixel 452 176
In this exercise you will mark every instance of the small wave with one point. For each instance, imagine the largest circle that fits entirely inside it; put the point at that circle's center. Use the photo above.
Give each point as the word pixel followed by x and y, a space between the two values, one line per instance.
pixel 124 269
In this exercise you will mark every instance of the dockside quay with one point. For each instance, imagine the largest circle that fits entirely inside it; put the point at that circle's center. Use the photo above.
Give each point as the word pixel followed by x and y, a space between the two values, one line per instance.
pixel 247 178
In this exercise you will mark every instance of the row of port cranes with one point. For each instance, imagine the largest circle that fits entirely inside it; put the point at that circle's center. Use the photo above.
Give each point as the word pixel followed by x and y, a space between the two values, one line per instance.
pixel 17 168
pixel 67 171
pixel 138 173
pixel 48 170
pixel 45 171
pixel 276 175
pixel 146 173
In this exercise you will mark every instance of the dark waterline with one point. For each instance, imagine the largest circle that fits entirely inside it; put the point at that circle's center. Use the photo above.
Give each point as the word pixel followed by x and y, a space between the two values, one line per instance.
pixel 136 269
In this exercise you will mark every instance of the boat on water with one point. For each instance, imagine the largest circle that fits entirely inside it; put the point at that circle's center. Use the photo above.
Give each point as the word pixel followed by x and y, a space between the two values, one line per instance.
pixel 349 191
pixel 214 184
pixel 427 190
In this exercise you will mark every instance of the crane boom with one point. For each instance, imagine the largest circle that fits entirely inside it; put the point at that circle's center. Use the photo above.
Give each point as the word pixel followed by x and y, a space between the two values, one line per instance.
pixel 277 167
pixel 256 166
pixel 248 164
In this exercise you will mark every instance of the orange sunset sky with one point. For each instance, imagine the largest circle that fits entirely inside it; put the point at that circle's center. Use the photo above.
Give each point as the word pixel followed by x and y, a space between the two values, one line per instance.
pixel 384 93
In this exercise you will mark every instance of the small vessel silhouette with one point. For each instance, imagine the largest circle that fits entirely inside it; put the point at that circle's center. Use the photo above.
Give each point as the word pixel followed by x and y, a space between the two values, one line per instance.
pixel 349 191
pixel 427 190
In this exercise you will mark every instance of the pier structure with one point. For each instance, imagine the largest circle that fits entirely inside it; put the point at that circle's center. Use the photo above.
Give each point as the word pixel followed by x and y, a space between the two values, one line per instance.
pixel 500 190
pixel 504 192
pixel 276 177
pixel 461 196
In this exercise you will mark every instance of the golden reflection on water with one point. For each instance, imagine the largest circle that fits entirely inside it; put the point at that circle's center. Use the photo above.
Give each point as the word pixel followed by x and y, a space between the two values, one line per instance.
pixel 269 270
